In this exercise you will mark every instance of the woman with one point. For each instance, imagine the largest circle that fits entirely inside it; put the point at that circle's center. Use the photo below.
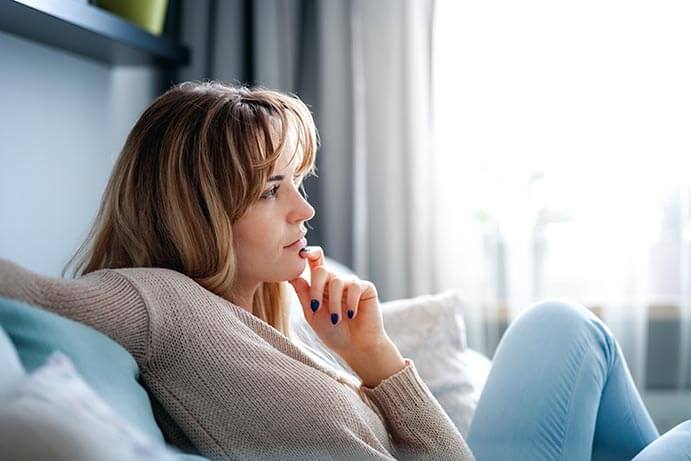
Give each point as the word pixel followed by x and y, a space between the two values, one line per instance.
pixel 201 225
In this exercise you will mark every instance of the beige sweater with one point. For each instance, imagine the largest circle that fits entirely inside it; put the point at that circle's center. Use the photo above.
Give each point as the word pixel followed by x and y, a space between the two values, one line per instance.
pixel 229 385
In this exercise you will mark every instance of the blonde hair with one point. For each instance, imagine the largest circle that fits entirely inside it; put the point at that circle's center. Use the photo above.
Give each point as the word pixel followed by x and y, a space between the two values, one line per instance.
pixel 198 157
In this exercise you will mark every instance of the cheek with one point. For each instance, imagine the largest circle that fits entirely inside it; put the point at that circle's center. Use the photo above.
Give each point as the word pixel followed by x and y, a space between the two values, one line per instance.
pixel 258 237
pixel 262 242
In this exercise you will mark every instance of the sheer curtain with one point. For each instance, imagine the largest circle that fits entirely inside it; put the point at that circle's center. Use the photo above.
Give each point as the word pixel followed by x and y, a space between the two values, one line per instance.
pixel 563 147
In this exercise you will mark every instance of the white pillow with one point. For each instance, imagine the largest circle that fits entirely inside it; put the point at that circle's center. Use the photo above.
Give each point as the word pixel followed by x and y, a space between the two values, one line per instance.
pixel 425 322
pixel 430 330
pixel 53 414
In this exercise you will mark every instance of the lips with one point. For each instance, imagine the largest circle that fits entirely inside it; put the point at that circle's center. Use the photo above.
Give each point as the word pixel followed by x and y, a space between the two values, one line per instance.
pixel 300 239
pixel 298 244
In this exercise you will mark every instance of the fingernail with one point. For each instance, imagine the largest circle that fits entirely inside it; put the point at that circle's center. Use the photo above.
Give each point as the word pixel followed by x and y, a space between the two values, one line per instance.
pixel 306 249
pixel 350 314
pixel 334 318
pixel 314 304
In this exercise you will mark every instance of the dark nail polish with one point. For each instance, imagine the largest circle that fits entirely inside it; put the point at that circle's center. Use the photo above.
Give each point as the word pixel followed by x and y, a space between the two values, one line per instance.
pixel 314 305
pixel 334 318
pixel 350 314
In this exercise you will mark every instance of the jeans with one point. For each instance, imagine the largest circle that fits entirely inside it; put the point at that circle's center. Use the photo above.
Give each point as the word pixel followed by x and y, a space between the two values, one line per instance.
pixel 559 389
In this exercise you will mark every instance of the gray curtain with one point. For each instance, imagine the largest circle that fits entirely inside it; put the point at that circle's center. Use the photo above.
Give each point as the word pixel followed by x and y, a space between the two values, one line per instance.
pixel 364 69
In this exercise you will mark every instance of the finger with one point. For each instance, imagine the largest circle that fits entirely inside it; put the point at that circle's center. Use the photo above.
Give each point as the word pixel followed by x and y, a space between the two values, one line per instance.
pixel 335 299
pixel 314 255
pixel 354 292
pixel 318 278
pixel 302 289
pixel 370 291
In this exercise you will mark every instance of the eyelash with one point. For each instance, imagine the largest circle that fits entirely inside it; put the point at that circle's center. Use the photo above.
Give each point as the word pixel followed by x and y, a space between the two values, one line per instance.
pixel 271 192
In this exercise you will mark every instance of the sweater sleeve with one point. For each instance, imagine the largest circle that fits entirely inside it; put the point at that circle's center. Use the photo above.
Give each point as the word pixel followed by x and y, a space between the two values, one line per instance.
pixel 104 300
pixel 419 427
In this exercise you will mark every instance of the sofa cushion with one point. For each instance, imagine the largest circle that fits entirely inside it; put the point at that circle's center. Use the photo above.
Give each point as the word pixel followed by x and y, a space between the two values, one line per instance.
pixel 105 365
pixel 52 414
pixel 12 369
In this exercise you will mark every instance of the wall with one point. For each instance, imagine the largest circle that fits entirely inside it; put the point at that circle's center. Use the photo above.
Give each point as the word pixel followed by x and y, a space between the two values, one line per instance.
pixel 63 120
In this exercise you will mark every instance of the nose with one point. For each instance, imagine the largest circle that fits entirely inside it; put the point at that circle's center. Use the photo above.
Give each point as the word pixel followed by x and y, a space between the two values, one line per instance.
pixel 302 211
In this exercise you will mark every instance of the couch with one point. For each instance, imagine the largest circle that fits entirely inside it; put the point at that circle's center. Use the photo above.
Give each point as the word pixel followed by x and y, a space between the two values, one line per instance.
pixel 69 392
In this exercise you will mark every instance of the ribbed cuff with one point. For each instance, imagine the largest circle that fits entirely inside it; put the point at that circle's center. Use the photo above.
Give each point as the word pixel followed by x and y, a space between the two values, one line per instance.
pixel 401 391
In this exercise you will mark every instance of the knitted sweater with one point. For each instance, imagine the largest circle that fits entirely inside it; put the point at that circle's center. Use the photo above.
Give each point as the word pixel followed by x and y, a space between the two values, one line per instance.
pixel 230 386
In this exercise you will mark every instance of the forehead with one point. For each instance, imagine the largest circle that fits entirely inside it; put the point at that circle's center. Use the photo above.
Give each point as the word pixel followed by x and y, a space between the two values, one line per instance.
pixel 284 160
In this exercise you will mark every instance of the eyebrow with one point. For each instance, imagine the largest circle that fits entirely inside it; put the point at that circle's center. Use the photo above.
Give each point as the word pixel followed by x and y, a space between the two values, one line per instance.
pixel 277 178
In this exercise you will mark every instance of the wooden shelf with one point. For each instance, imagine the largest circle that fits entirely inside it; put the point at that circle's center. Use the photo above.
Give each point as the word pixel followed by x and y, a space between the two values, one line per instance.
pixel 89 31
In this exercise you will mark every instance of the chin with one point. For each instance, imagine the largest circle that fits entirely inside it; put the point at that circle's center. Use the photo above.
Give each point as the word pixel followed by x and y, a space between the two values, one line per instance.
pixel 303 268
pixel 295 270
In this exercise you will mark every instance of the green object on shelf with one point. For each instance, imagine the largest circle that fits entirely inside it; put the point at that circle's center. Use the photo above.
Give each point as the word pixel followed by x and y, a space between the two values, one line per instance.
pixel 150 15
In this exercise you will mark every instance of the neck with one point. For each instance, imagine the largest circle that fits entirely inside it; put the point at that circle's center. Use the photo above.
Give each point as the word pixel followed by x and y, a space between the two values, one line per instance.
pixel 244 295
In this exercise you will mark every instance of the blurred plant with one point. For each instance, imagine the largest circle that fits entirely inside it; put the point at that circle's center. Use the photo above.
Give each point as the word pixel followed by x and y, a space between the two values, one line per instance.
pixel 488 222
pixel 541 215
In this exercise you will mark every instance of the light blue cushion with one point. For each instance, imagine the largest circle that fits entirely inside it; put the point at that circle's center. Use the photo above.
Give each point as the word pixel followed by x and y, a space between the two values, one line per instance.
pixel 12 370
pixel 105 365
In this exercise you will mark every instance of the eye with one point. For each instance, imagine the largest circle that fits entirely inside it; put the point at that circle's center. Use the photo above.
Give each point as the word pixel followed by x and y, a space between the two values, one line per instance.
pixel 271 192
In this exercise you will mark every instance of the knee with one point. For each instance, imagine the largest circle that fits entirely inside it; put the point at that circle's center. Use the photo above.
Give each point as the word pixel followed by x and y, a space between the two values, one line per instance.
pixel 560 310
pixel 682 430
pixel 673 444
pixel 564 317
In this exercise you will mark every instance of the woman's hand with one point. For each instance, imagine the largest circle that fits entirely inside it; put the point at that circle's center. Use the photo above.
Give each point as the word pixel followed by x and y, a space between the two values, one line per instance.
pixel 340 298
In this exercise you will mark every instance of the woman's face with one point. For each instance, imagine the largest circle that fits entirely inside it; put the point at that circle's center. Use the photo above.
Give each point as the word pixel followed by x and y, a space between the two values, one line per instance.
pixel 263 235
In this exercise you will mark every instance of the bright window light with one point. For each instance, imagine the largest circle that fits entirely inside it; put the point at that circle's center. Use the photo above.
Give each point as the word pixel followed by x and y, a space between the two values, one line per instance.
pixel 594 97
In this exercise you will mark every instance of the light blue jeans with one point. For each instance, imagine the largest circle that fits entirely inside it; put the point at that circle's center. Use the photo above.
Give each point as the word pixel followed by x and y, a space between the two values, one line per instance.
pixel 559 389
